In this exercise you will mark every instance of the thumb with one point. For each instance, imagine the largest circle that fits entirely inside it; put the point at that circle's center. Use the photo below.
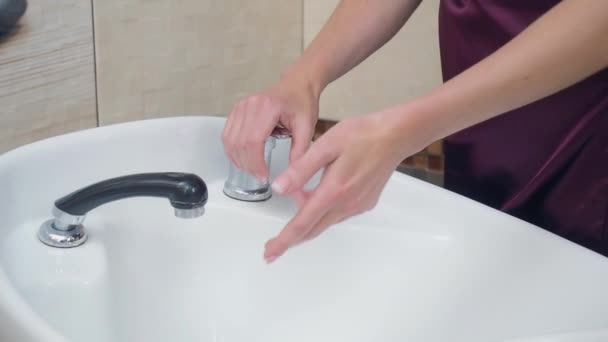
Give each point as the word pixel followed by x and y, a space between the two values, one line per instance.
pixel 301 135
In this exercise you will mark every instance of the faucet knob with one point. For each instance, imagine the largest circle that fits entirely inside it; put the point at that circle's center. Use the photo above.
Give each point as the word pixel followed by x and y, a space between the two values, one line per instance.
pixel 242 185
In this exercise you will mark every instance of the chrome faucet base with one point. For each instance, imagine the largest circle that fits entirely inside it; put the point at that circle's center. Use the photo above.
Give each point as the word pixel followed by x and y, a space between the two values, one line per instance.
pixel 72 236
pixel 247 195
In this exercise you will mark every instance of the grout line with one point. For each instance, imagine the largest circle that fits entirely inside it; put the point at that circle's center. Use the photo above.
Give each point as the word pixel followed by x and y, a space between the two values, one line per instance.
pixel 95 63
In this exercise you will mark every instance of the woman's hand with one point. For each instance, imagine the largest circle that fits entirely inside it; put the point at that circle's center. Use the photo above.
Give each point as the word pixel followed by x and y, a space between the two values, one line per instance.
pixel 291 103
pixel 358 156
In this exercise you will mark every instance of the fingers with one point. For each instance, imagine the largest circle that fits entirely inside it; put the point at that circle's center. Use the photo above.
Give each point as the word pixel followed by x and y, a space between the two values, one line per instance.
pixel 320 154
pixel 301 197
pixel 332 217
pixel 357 161
pixel 313 205
pixel 252 158
pixel 301 135
pixel 330 203
pixel 299 231
pixel 321 200
pixel 229 131
pixel 247 128
pixel 339 214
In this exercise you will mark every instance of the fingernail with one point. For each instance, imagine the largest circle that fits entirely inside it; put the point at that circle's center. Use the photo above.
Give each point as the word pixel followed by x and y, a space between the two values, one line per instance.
pixel 270 259
pixel 278 186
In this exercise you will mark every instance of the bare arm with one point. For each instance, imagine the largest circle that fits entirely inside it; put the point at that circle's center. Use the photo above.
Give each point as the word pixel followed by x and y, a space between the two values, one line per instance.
pixel 355 30
pixel 563 47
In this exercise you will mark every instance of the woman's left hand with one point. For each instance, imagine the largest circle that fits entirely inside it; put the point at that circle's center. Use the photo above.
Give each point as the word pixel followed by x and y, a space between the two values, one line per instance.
pixel 358 156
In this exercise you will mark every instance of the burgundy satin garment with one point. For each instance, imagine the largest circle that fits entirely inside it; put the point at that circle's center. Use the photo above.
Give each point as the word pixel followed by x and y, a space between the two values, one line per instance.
pixel 547 162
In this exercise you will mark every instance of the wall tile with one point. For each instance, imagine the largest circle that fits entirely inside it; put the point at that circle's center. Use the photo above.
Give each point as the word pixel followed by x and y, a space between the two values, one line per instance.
pixel 184 57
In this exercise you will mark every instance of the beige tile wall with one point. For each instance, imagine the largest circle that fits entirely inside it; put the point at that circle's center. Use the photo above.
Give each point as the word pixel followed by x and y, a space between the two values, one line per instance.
pixel 404 68
pixel 183 57
pixel 47 82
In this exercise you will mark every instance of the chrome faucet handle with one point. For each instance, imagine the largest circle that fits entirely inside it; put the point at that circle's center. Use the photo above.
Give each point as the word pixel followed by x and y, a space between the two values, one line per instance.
pixel 242 185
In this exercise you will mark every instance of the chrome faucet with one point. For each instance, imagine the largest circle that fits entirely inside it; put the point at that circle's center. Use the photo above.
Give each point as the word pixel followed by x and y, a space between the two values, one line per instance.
pixel 243 186
pixel 187 194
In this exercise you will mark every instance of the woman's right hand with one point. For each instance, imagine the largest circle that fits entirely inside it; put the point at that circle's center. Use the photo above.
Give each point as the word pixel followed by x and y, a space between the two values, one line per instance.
pixel 290 103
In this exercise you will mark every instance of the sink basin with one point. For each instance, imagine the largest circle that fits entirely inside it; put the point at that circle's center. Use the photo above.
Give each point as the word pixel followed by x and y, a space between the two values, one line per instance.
pixel 425 265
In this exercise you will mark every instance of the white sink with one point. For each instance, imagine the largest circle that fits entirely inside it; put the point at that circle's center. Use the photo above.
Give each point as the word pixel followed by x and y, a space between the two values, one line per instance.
pixel 425 265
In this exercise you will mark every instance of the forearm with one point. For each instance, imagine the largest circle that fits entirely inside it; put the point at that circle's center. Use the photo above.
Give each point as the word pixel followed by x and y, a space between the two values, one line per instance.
pixel 566 45
pixel 355 30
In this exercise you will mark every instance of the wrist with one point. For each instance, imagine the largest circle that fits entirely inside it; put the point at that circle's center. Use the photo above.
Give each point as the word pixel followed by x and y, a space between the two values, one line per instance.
pixel 412 127
pixel 303 76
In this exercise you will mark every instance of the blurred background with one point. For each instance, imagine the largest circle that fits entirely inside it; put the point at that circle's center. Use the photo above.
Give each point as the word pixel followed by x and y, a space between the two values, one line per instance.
pixel 69 65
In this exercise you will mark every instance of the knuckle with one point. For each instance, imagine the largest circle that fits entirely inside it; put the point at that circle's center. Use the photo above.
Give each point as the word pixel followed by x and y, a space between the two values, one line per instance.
pixel 341 189
pixel 242 143
pixel 257 98
pixel 297 228
pixel 265 97
pixel 372 204
pixel 225 137
pixel 254 97
pixel 354 208
pixel 359 204
pixel 249 144
pixel 229 145
pixel 236 144
pixel 295 177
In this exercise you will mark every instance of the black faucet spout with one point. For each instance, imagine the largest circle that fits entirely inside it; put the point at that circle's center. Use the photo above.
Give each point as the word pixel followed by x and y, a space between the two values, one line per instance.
pixel 183 190
pixel 187 193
